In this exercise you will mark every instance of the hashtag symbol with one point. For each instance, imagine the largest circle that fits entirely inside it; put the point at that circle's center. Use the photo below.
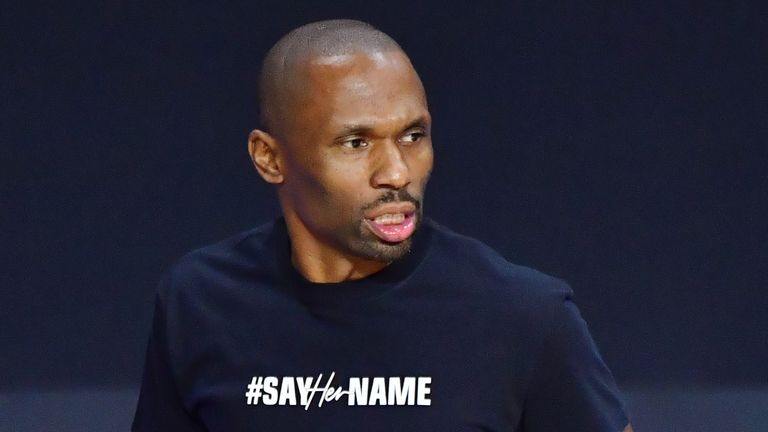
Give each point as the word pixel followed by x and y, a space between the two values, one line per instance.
pixel 254 391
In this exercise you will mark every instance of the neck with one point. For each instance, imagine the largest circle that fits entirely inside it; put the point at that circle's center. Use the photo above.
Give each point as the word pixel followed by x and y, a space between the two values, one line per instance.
pixel 320 262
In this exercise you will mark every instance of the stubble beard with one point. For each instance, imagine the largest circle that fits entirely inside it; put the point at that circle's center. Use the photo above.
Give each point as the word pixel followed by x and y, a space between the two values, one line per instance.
pixel 371 247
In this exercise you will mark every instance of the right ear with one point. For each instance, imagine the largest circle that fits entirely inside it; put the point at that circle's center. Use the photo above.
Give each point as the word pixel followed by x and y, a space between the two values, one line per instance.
pixel 263 149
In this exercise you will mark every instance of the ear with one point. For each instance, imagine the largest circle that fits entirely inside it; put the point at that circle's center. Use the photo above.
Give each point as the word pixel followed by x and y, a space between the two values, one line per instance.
pixel 263 149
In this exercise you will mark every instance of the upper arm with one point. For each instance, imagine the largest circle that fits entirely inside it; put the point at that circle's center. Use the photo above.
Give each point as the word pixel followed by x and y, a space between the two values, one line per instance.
pixel 160 406
pixel 571 387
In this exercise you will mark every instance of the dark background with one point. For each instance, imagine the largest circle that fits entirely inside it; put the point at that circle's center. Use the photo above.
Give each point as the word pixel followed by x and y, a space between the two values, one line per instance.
pixel 620 146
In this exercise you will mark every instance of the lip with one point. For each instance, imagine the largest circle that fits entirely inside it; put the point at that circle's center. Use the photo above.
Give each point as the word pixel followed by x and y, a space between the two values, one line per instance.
pixel 394 233
pixel 406 208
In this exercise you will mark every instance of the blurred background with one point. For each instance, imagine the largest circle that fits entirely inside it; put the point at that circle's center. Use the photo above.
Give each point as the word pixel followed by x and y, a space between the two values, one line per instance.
pixel 620 146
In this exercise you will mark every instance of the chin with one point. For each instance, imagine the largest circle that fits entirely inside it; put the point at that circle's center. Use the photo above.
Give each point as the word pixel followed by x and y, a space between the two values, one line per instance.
pixel 372 248
pixel 388 252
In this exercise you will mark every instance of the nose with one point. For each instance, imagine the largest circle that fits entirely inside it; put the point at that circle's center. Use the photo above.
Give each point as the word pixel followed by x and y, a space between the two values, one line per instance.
pixel 391 169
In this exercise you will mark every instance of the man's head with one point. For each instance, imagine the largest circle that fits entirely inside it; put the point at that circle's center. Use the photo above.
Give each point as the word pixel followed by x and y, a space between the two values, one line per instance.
pixel 346 138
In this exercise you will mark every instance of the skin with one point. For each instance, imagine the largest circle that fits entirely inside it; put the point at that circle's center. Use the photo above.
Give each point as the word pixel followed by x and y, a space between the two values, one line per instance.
pixel 358 135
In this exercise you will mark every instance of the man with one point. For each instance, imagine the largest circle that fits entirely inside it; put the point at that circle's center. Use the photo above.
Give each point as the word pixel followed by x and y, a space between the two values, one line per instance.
pixel 354 311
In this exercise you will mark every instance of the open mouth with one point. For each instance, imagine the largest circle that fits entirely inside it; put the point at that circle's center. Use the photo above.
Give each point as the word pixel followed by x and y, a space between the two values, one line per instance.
pixel 393 227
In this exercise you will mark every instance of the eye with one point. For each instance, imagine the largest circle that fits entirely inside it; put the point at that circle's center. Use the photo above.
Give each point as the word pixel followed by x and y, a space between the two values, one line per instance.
pixel 354 143
pixel 413 136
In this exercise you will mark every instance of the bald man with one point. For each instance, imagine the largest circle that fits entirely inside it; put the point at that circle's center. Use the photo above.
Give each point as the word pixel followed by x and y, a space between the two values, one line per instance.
pixel 353 310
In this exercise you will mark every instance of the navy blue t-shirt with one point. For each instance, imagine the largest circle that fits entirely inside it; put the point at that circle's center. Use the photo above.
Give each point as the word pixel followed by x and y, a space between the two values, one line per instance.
pixel 452 337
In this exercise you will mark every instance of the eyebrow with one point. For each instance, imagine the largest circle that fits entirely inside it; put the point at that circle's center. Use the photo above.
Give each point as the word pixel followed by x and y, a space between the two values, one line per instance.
pixel 367 128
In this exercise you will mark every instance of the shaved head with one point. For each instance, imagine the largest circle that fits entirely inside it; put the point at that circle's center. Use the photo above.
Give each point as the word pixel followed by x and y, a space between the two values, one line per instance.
pixel 282 72
pixel 345 137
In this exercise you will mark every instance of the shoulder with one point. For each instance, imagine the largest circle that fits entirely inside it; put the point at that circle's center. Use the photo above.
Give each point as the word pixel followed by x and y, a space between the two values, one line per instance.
pixel 512 289
pixel 475 259
pixel 240 254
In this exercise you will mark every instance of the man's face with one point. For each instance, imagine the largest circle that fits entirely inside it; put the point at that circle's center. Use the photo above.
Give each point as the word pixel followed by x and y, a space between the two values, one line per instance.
pixel 358 146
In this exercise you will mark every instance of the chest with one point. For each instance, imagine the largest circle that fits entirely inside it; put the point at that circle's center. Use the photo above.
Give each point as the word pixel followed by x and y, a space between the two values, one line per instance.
pixel 419 366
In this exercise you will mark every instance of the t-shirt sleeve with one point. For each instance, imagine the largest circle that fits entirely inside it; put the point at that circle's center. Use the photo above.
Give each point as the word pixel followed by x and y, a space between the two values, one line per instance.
pixel 160 406
pixel 571 388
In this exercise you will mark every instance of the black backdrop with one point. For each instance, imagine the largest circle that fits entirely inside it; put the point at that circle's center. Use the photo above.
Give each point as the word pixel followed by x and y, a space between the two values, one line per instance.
pixel 620 146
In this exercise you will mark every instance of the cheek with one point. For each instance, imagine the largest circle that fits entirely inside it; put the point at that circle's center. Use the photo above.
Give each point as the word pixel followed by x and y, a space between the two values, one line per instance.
pixel 338 190
pixel 346 188
pixel 421 164
pixel 308 190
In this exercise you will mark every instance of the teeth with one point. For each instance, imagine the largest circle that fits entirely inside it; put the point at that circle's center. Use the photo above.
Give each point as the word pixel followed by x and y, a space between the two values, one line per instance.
pixel 390 219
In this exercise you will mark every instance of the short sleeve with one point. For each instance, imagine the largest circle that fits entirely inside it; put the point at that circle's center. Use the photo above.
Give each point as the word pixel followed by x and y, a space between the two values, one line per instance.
pixel 571 388
pixel 160 407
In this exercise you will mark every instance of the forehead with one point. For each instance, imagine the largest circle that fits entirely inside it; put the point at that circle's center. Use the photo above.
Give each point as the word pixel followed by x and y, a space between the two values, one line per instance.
pixel 361 87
